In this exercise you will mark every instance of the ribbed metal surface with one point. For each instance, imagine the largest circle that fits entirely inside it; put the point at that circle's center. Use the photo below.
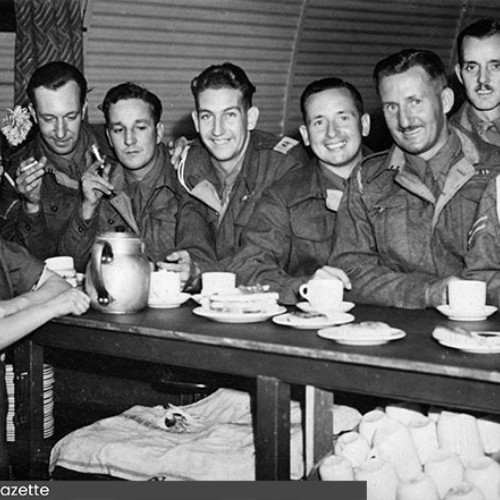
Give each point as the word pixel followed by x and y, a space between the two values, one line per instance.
pixel 7 42
pixel 165 44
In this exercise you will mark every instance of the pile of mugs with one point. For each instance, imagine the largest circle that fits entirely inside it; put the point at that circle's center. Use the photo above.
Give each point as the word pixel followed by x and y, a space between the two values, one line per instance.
pixel 404 454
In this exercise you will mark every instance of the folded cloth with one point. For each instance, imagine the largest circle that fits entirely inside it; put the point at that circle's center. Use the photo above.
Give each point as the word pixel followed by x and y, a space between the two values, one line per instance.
pixel 209 440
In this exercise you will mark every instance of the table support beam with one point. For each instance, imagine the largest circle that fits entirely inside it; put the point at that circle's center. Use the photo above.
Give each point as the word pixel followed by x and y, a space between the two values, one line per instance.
pixel 272 440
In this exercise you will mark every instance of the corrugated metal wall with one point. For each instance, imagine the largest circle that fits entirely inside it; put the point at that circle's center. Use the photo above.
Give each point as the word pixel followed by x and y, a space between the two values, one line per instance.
pixel 282 44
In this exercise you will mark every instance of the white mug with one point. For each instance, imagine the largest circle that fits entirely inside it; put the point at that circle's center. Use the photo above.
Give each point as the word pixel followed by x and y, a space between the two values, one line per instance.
pixel 323 295
pixel 467 295
pixel 64 266
pixel 217 282
pixel 164 286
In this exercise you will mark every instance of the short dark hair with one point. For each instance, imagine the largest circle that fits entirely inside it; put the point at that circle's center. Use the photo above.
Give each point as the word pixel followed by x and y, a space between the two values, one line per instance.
pixel 54 75
pixel 226 75
pixel 402 61
pixel 131 90
pixel 484 28
pixel 330 83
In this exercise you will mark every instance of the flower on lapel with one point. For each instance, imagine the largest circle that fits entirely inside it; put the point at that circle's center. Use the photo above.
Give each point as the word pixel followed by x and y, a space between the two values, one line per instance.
pixel 16 125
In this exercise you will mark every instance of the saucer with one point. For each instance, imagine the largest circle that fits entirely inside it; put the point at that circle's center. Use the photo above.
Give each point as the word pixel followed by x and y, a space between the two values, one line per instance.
pixel 313 323
pixel 466 316
pixel 170 304
pixel 344 307
pixel 343 336
pixel 225 317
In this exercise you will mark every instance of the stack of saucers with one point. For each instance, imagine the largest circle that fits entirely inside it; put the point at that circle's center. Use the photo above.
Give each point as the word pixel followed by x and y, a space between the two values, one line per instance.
pixel 48 401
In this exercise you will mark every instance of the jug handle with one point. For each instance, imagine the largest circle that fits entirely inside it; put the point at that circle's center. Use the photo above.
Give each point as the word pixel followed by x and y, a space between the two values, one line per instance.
pixel 102 255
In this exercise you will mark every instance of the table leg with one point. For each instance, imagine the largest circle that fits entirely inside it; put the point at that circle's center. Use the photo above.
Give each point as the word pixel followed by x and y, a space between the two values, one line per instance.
pixel 272 440
pixel 28 413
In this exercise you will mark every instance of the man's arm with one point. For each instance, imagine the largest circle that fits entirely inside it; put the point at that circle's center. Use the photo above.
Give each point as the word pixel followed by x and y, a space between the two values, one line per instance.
pixel 355 251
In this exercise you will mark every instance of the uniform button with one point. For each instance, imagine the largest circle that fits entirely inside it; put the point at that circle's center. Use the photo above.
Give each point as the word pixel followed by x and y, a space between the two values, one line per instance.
pixel 120 229
pixel 111 221
pixel 27 227
pixel 54 208
pixel 80 229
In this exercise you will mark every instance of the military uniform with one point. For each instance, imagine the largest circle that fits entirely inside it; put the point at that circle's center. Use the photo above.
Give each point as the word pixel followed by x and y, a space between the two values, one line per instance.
pixel 394 237
pixel 483 258
pixel 153 219
pixel 212 239
pixel 19 273
pixel 290 234
pixel 41 232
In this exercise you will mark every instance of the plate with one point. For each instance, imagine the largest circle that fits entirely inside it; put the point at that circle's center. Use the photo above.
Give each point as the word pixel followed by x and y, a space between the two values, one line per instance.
pixel 464 316
pixel 223 317
pixel 344 307
pixel 295 321
pixel 471 347
pixel 175 302
pixel 341 337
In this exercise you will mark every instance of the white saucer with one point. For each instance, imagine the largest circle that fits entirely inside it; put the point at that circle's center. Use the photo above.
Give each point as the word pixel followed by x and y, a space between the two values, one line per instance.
pixel 175 302
pixel 224 317
pixel 471 347
pixel 344 307
pixel 314 323
pixel 339 335
pixel 465 316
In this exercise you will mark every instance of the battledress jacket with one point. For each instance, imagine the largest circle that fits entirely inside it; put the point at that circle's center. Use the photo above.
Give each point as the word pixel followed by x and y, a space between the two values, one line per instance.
pixel 483 258
pixel 41 232
pixel 290 234
pixel 155 224
pixel 212 243
pixel 393 239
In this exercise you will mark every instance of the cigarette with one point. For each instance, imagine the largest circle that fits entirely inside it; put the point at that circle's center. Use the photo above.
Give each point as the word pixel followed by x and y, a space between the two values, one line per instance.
pixel 97 155
pixel 10 179
pixel 29 165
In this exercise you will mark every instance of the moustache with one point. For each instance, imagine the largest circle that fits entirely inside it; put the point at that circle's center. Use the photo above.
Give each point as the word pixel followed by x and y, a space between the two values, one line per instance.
pixel 484 86
pixel 408 129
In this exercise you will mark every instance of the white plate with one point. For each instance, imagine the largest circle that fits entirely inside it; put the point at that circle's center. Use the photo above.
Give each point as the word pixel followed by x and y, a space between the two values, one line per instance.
pixel 470 347
pixel 175 302
pixel 322 321
pixel 344 307
pixel 464 316
pixel 224 317
pixel 341 337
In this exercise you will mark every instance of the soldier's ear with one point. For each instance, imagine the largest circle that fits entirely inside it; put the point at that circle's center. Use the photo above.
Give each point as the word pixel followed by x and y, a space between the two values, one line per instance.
pixel 365 124
pixel 252 116
pixel 447 98
pixel 160 130
pixel 305 135
pixel 458 73
pixel 194 116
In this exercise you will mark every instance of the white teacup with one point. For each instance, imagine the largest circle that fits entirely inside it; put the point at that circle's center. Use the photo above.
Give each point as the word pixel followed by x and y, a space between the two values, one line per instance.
pixel 323 295
pixel 64 266
pixel 164 286
pixel 217 282
pixel 468 296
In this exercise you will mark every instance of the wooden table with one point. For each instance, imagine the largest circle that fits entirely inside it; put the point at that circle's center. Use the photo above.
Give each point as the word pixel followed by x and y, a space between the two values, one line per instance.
pixel 415 368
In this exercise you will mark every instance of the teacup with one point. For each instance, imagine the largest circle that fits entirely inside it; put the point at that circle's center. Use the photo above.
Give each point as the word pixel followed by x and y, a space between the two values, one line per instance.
pixel 217 282
pixel 467 296
pixel 64 266
pixel 164 286
pixel 323 295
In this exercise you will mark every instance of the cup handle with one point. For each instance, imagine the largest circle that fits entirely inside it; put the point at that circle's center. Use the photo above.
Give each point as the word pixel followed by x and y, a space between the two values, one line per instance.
pixel 303 290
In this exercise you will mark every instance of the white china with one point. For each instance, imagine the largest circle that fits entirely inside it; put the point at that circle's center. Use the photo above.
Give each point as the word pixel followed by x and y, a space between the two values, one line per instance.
pixel 464 491
pixel 489 432
pixel 164 286
pixel 424 435
pixel 343 337
pixel 343 307
pixel 484 473
pixel 404 412
pixel 370 422
pixel 215 282
pixel 223 317
pixel 468 296
pixel 461 315
pixel 381 479
pixel 323 294
pixel 312 323
pixel 334 468
pixel 445 469
pixel 418 487
pixel 64 266
pixel 170 302
pixel 352 446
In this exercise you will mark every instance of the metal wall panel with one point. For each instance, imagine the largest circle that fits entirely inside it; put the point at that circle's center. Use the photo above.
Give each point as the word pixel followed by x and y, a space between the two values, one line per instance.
pixel 7 42
pixel 164 44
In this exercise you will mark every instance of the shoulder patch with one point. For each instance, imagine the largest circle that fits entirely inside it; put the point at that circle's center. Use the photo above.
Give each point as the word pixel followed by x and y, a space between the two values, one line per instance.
pixel 285 144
